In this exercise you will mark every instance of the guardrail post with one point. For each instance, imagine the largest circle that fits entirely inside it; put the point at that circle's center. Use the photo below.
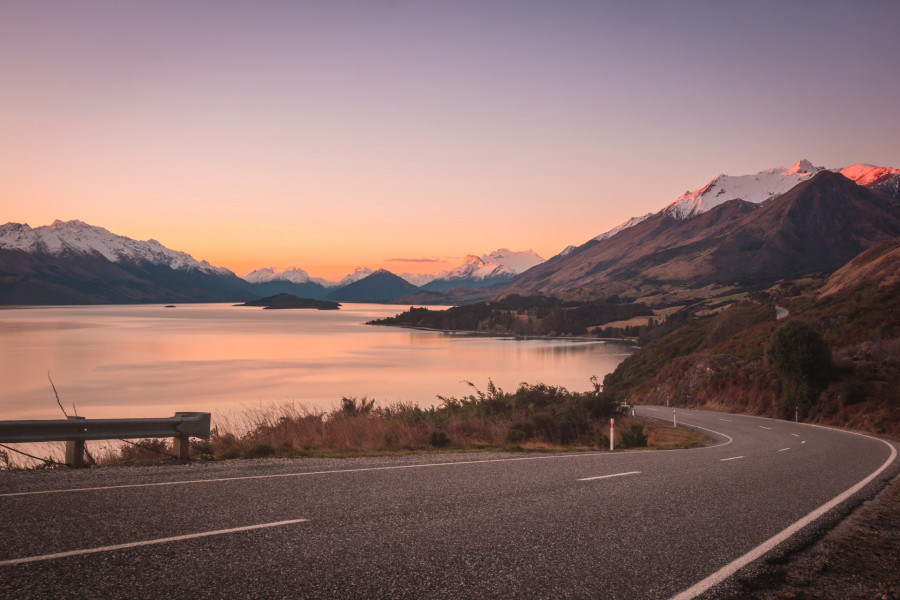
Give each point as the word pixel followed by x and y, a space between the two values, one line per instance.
pixel 181 444
pixel 75 449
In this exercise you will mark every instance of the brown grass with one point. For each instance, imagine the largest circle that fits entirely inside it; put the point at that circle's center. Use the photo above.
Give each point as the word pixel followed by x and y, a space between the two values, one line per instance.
pixel 290 430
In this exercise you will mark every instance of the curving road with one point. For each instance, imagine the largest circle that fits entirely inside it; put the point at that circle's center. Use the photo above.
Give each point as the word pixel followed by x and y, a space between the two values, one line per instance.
pixel 599 525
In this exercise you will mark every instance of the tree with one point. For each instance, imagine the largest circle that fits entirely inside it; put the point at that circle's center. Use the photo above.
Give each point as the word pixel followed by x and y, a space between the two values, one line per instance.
pixel 802 360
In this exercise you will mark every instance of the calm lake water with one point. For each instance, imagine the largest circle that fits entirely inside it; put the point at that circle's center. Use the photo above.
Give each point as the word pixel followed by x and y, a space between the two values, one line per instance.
pixel 151 361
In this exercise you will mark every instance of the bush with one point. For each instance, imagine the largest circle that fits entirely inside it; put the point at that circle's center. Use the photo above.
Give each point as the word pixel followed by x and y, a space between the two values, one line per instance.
pixel 259 450
pixel 438 439
pixel 151 449
pixel 516 434
pixel 636 438
pixel 802 361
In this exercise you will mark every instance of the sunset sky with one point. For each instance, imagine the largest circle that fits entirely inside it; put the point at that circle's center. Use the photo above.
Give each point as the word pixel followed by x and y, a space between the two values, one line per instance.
pixel 332 135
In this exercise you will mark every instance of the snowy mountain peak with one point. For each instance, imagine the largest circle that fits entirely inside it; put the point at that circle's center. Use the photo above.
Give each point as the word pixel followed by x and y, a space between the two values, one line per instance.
pixel 864 174
pixel 77 237
pixel 266 274
pixel 757 188
pixel 356 275
pixel 499 263
pixel 803 166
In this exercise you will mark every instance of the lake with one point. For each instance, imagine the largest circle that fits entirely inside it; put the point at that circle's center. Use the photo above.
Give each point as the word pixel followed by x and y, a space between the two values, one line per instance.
pixel 152 361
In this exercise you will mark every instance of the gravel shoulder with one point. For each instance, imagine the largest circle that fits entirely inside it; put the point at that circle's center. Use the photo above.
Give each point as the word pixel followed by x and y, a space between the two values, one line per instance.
pixel 859 558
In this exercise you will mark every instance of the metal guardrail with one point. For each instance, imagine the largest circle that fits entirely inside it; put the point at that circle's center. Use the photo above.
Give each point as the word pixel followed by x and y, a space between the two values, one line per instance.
pixel 75 430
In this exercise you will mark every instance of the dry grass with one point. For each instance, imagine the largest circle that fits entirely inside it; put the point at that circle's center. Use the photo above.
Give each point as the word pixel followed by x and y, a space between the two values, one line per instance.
pixel 535 418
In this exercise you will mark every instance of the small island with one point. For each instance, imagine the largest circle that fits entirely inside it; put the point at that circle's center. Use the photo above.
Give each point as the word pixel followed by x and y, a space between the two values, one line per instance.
pixel 291 301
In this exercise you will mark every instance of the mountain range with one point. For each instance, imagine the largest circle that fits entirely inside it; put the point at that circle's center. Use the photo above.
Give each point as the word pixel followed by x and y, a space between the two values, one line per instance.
pixel 71 262
pixel 736 232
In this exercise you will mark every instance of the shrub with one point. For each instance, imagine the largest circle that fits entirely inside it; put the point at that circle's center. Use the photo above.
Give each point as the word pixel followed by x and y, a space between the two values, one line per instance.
pixel 636 438
pixel 151 449
pixel 259 450
pixel 802 361
pixel 438 439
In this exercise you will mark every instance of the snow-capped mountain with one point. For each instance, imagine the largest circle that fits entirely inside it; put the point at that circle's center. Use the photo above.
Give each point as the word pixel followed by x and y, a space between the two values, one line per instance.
pixel 868 175
pixel 494 264
pixel 292 275
pixel 357 274
pixel 629 223
pixel 757 188
pixel 761 187
pixel 882 179
pixel 418 279
pixel 481 271
pixel 77 237
pixel 76 263
pixel 812 229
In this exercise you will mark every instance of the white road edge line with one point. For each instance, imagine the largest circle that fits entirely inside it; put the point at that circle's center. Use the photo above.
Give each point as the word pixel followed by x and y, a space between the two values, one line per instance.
pixel 727 420
pixel 608 476
pixel 784 449
pixel 730 439
pixel 795 434
pixel 735 565
pixel 761 427
pixel 732 458
pixel 177 538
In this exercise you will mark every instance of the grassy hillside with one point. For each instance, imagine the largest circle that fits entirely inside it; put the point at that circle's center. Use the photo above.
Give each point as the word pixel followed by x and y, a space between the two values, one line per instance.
pixel 721 361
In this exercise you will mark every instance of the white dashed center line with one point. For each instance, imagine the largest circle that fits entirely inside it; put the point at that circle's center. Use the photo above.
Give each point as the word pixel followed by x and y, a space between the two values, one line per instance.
pixel 177 538
pixel 608 476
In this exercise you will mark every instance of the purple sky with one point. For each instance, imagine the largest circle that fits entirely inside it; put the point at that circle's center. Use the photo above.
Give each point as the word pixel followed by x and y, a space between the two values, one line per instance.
pixel 330 135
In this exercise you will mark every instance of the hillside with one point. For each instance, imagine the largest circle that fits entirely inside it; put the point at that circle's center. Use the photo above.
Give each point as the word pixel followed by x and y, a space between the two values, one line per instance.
pixel 721 361
pixel 381 286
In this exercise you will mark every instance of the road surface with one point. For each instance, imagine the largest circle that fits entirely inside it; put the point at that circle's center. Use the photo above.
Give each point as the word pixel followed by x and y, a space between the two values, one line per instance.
pixel 634 524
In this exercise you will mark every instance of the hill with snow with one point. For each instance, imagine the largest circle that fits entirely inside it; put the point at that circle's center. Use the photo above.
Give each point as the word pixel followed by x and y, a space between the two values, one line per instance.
pixel 72 262
pixel 76 237
pixel 485 270
pixel 762 187
pixel 292 275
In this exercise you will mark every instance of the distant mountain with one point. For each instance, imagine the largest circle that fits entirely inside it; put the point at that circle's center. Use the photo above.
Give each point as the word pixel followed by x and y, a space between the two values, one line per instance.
pixel 76 263
pixel 72 238
pixel 814 228
pixel 297 282
pixel 484 271
pixel 880 179
pixel 380 287
pixel 292 275
pixel 356 275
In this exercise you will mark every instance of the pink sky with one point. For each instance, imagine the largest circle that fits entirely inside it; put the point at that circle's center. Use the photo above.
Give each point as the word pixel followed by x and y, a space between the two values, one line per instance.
pixel 333 135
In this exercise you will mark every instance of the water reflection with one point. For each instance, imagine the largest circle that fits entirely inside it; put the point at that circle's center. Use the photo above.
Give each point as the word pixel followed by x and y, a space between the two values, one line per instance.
pixel 137 361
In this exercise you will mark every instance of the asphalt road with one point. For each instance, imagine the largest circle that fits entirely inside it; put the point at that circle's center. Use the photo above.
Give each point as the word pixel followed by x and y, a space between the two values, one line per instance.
pixel 649 524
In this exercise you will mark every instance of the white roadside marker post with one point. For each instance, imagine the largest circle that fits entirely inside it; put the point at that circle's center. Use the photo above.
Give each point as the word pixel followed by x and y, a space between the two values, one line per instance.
pixel 674 418
pixel 796 414
pixel 612 434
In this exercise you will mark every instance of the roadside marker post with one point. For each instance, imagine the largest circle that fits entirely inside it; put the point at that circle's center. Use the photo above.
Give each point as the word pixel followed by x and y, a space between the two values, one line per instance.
pixel 674 418
pixel 612 434
pixel 796 414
